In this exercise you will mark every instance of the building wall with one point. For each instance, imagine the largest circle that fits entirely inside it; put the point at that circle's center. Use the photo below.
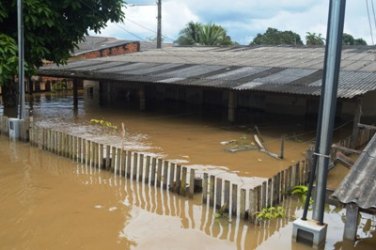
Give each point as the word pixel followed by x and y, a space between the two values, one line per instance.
pixel 369 104
pixel 130 47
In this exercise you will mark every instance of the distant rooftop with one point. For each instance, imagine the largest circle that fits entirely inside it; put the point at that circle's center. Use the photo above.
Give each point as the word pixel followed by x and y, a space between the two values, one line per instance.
pixel 94 43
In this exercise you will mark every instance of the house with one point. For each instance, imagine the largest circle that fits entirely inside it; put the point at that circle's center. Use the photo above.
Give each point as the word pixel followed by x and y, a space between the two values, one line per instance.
pixel 285 80
pixel 91 47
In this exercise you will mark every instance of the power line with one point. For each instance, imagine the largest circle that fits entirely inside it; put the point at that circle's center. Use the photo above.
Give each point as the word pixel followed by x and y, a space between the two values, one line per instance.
pixel 369 21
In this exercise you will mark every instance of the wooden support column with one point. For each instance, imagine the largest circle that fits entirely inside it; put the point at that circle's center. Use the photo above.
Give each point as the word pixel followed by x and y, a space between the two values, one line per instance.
pixel 75 93
pixel 141 96
pixel 231 106
pixel 357 115
pixel 351 224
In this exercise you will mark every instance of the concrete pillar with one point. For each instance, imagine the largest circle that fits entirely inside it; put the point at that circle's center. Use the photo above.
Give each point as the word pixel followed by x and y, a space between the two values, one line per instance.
pixel 351 224
pixel 141 96
pixel 357 115
pixel 231 106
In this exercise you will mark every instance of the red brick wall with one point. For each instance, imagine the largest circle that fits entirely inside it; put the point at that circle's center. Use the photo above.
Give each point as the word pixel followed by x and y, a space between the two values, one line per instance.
pixel 114 51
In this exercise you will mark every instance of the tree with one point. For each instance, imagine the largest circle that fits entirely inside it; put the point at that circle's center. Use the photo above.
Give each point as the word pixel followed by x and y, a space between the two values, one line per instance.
pixel 273 36
pixel 52 30
pixel 203 34
pixel 348 39
pixel 314 39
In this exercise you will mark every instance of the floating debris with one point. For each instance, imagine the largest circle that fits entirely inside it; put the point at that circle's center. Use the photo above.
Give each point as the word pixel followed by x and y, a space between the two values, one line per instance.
pixel 242 144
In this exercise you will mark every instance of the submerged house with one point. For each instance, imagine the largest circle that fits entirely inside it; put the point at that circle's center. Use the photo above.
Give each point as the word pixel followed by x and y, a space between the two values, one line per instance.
pixel 283 80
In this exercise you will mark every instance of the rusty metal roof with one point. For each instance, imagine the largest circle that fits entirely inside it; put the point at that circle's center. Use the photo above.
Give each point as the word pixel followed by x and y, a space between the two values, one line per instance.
pixel 359 186
pixel 94 43
pixel 287 70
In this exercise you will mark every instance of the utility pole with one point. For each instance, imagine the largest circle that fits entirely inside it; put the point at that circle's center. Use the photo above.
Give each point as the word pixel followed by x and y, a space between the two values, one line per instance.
pixel 21 59
pixel 159 25
pixel 315 230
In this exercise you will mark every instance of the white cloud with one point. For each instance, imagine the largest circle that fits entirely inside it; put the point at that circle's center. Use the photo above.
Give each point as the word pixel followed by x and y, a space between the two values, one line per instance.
pixel 242 19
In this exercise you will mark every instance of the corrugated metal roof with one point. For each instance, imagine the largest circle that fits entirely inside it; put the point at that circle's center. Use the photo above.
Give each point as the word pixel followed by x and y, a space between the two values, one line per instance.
pixel 359 186
pixel 272 69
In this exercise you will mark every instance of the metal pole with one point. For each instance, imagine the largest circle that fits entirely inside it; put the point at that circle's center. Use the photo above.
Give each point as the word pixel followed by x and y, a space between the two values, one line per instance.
pixel 330 81
pixel 21 59
pixel 159 25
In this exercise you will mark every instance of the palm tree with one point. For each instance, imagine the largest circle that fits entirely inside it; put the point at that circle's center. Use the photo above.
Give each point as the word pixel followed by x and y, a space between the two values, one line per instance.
pixel 203 34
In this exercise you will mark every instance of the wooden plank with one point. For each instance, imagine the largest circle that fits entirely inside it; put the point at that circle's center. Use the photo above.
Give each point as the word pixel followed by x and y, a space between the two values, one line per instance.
pixel 141 168
pixel 351 223
pixel 171 183
pixel 153 171
pixel 263 195
pixel 178 178
pixel 147 169
pixel 172 175
pixel 118 161
pixel 234 199
pixel 129 164
pixel 135 165
pixel 165 174
pixel 113 158
pixel 79 149
pixel 101 156
pixel 211 190
pixel 205 183
pixel 258 198
pixel 123 163
pixel 282 193
pixel 218 193
pixel 226 197
pixel 191 190
pixel 269 193
pixel 159 172
pixel 242 203
pixel 252 204
pixel 183 183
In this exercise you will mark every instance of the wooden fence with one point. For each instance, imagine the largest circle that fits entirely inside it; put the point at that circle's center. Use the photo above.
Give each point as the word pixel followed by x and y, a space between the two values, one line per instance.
pixel 243 200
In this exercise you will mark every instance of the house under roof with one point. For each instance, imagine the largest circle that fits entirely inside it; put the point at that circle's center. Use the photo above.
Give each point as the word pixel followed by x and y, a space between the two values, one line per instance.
pixel 289 70
pixel 228 76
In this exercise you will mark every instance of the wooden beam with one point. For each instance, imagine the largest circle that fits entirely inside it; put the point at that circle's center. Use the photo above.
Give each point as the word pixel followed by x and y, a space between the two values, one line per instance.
pixel 372 127
pixel 351 224
pixel 357 116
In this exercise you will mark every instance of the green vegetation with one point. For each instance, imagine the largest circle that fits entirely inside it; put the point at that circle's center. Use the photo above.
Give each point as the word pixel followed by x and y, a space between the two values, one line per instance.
pixel 52 30
pixel 103 123
pixel 269 213
pixel 348 39
pixel 203 34
pixel 59 86
pixel 273 36
pixel 301 191
pixel 314 39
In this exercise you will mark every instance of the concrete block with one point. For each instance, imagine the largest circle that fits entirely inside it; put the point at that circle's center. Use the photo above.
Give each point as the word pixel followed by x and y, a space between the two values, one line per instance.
pixel 309 232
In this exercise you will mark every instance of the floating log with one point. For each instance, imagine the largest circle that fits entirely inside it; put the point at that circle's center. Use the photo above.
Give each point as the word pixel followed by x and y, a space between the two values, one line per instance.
pixel 263 149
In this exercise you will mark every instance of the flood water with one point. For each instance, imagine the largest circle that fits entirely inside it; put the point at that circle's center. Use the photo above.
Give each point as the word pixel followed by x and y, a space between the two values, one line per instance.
pixel 49 202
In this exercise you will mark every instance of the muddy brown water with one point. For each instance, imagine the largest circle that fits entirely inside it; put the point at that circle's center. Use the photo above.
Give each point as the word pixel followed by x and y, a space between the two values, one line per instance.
pixel 49 202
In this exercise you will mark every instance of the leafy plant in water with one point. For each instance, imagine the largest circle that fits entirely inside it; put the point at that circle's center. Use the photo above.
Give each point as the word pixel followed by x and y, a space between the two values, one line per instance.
pixel 221 211
pixel 269 213
pixel 301 191
pixel 103 123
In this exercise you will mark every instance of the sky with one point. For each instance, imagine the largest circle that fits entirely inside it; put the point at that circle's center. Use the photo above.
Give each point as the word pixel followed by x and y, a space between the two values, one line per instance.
pixel 243 19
